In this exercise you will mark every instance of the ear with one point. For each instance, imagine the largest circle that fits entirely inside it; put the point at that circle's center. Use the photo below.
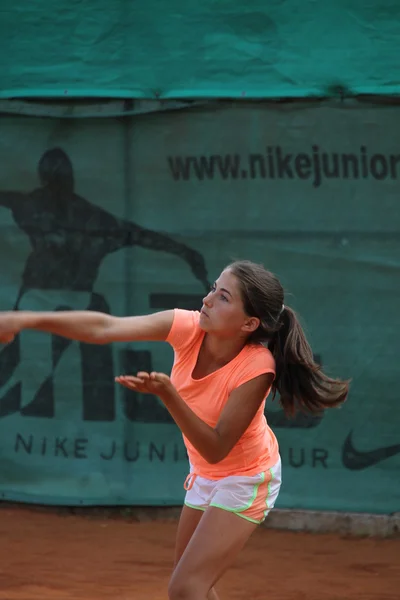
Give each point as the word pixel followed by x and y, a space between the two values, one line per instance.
pixel 250 325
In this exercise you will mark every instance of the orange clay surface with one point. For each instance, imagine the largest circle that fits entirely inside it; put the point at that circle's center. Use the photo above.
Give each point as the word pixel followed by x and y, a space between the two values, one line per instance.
pixel 56 555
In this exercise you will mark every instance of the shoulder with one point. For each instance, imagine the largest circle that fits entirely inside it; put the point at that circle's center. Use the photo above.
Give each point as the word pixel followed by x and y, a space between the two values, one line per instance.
pixel 259 355
pixel 255 360
pixel 185 328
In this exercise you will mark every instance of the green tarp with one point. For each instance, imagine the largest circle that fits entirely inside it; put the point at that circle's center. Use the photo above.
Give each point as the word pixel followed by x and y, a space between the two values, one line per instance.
pixel 220 48
pixel 137 215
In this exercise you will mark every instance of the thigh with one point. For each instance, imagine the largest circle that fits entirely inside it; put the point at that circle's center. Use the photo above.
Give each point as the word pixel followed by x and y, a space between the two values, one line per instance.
pixel 187 525
pixel 214 545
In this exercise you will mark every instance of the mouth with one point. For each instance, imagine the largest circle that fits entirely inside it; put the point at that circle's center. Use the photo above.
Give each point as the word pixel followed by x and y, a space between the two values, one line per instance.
pixel 203 312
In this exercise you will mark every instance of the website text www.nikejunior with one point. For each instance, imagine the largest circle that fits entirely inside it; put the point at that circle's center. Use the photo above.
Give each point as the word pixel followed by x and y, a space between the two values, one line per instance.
pixel 278 164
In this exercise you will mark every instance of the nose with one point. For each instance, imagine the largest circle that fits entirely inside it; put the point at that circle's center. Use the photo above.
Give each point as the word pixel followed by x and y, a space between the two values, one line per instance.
pixel 207 299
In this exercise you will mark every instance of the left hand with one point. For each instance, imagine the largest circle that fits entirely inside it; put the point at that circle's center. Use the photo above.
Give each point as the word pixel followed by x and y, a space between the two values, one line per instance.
pixel 147 383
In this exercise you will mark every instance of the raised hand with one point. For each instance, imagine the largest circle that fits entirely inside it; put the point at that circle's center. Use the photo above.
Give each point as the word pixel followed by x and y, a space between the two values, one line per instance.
pixel 147 383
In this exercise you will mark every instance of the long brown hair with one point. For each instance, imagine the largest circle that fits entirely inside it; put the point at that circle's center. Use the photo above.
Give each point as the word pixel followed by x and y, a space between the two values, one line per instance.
pixel 300 381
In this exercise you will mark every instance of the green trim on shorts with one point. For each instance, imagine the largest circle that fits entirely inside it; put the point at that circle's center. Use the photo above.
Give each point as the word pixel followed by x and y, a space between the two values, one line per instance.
pixel 237 513
pixel 240 510
pixel 195 507
pixel 268 493
pixel 255 490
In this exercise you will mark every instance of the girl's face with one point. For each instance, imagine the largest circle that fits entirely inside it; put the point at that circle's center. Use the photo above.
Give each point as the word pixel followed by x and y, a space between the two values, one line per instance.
pixel 223 313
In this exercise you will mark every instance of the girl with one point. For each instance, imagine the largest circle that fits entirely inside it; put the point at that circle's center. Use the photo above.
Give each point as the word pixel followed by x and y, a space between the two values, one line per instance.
pixel 242 345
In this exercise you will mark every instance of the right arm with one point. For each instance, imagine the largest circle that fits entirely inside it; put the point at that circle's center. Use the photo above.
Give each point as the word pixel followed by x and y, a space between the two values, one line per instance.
pixel 89 326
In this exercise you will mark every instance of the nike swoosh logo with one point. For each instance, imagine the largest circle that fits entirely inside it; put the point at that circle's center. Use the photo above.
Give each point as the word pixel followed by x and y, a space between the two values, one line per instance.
pixel 356 461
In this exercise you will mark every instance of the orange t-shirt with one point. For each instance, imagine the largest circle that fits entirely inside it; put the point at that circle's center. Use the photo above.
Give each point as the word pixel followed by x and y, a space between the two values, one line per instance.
pixel 257 450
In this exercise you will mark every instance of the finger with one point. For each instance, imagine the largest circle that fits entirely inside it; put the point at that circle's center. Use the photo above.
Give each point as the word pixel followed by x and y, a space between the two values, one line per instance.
pixel 155 375
pixel 130 386
pixel 129 380
pixel 132 379
pixel 121 380
pixel 143 375
pixel 160 377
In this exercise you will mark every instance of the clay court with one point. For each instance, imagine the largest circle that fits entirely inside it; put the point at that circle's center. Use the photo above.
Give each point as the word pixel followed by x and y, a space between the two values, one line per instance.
pixel 54 555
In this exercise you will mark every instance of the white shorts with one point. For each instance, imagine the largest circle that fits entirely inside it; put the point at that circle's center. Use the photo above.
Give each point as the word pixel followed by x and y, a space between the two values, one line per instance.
pixel 249 497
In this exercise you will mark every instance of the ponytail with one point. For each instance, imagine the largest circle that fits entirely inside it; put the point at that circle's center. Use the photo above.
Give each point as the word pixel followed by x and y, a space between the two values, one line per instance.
pixel 300 381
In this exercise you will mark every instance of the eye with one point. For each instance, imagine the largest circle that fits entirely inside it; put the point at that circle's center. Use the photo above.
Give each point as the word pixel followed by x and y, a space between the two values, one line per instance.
pixel 224 298
pixel 213 287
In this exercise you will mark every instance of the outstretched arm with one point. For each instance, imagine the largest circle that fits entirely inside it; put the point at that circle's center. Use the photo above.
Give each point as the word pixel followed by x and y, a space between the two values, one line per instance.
pixel 138 236
pixel 213 443
pixel 119 234
pixel 88 326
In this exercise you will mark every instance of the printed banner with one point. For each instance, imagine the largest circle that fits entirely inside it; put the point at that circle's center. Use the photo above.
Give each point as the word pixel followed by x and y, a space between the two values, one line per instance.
pixel 141 215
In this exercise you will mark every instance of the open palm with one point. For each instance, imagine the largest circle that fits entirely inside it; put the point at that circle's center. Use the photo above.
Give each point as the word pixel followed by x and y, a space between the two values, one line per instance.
pixel 147 383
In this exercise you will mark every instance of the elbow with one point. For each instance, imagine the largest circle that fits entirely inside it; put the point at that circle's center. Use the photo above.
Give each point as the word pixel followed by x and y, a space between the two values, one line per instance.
pixel 95 336
pixel 98 338
pixel 219 449
pixel 104 332
pixel 217 457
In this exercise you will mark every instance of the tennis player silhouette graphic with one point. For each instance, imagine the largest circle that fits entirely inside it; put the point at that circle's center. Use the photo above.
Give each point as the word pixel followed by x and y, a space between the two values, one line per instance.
pixel 69 238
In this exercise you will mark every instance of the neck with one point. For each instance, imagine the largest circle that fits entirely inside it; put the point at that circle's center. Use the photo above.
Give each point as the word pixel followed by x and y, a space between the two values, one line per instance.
pixel 222 350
